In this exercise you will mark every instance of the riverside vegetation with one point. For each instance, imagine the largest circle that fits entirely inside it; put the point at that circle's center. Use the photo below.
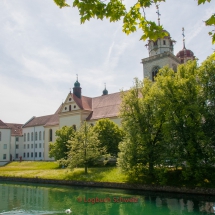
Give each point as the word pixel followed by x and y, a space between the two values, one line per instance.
pixel 52 170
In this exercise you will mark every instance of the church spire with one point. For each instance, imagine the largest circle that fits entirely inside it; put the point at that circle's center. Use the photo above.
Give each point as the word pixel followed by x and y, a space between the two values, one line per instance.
pixel 77 88
pixel 158 13
pixel 183 38
pixel 105 92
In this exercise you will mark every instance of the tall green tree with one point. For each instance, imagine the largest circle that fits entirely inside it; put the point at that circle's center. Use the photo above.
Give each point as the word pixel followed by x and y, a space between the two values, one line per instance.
pixel 185 115
pixel 85 148
pixel 133 18
pixel 142 120
pixel 59 148
pixel 109 135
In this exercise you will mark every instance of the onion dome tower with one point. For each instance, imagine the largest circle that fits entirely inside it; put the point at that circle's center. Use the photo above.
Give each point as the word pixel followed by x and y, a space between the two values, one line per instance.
pixel 77 89
pixel 185 54
pixel 161 53
pixel 105 92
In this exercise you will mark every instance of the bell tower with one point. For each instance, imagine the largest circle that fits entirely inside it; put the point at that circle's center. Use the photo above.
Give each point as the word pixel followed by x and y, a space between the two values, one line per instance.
pixel 161 53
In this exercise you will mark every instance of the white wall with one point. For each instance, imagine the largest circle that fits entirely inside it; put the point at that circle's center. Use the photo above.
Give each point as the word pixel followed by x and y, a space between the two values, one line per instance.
pixel 5 145
pixel 33 149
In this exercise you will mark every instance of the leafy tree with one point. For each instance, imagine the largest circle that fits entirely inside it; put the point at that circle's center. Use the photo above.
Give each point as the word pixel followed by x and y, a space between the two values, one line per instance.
pixel 59 148
pixel 85 148
pixel 142 121
pixel 109 135
pixel 186 115
pixel 133 18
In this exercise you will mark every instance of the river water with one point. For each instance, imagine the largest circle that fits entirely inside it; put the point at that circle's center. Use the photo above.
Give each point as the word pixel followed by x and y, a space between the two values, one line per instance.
pixel 29 199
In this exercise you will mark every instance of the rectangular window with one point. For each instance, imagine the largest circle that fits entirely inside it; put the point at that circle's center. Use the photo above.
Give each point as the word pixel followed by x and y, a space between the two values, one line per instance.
pixel 32 146
pixel 28 146
pixel 17 155
pixel 40 145
pixel 17 146
pixel 24 146
pixel 35 154
pixel 28 154
pixel 36 145
pixel 39 154
pixel 24 137
pixel 32 154
pixel 5 146
pixel 17 139
pixel 24 154
pixel 4 156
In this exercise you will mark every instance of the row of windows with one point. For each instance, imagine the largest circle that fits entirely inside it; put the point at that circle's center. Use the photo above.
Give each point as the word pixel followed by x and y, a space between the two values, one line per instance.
pixel 164 43
pixel 32 145
pixel 28 154
pixel 34 136
pixel 17 138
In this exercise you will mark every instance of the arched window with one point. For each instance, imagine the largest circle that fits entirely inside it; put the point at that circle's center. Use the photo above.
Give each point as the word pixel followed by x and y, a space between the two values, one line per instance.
pixel 155 71
pixel 50 135
pixel 0 135
pixel 40 135
pixel 24 137
pixel 32 136
pixel 35 135
pixel 70 108
pixel 28 136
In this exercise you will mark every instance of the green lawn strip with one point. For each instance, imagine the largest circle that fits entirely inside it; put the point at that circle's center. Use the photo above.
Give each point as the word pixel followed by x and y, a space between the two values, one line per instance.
pixel 51 170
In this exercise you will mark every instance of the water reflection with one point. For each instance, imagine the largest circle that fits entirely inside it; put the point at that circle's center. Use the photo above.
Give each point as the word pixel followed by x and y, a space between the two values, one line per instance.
pixel 28 199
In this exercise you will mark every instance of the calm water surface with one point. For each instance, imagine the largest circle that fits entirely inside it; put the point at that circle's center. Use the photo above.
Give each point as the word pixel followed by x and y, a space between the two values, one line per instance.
pixel 29 199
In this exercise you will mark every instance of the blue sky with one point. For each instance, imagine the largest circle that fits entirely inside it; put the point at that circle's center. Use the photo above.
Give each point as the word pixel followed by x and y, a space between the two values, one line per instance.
pixel 42 48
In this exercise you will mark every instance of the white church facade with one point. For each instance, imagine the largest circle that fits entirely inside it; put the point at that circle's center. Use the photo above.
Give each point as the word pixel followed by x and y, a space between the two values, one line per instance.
pixel 31 140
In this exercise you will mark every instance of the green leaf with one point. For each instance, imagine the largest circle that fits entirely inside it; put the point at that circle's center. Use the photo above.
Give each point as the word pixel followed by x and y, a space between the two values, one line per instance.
pixel 61 3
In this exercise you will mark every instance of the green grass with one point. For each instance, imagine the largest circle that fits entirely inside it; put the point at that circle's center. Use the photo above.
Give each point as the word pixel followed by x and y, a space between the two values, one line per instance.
pixel 51 170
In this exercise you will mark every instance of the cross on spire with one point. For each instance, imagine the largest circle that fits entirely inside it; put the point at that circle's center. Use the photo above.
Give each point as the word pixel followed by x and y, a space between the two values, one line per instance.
pixel 183 38
pixel 157 6
pixel 77 77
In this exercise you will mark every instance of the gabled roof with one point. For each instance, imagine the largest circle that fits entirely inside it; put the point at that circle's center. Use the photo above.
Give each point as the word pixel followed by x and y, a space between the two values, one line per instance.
pixel 38 121
pixel 3 125
pixel 16 129
pixel 54 120
pixel 84 103
pixel 105 106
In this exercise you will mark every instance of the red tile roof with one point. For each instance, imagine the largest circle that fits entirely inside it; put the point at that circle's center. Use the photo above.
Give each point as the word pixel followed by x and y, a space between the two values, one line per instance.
pixel 105 106
pixel 37 121
pixel 16 129
pixel 3 125
pixel 84 103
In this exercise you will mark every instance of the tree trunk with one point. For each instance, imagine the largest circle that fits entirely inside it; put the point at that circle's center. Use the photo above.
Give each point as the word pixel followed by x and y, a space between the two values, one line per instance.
pixel 85 168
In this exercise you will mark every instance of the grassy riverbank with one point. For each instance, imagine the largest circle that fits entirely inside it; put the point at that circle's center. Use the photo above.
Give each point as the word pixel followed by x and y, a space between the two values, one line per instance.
pixel 51 170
